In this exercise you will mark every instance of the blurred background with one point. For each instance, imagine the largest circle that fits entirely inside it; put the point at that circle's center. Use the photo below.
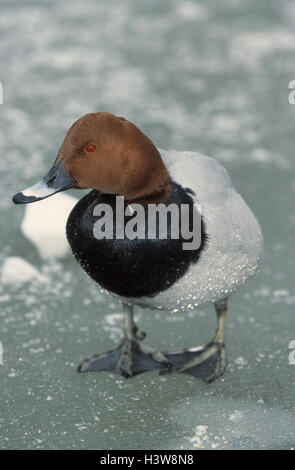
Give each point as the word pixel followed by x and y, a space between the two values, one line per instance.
pixel 210 76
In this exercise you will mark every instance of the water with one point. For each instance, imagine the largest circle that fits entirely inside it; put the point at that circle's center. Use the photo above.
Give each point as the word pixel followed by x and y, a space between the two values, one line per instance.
pixel 206 76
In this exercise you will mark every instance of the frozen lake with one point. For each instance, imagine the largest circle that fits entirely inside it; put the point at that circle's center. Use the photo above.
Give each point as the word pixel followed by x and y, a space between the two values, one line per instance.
pixel 193 75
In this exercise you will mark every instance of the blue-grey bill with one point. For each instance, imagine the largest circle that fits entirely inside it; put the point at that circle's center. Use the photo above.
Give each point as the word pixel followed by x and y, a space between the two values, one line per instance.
pixel 55 181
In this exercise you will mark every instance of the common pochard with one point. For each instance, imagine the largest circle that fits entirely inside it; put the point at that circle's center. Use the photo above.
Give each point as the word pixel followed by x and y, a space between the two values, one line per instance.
pixel 113 158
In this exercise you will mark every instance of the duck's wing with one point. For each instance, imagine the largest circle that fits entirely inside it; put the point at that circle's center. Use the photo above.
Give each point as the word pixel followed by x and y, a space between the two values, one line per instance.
pixel 235 243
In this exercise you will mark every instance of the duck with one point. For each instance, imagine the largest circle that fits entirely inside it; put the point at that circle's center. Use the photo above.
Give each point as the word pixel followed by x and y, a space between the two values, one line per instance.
pixel 210 245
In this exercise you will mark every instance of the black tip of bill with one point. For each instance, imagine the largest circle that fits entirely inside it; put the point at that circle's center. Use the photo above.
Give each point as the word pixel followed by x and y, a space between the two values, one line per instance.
pixel 20 198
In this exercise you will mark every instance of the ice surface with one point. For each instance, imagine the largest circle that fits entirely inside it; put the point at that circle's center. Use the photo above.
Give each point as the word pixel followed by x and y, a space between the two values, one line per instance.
pixel 207 76
pixel 44 225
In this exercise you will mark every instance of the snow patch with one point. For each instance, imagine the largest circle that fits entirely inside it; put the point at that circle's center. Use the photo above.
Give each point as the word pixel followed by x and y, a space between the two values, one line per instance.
pixel 44 224
pixel 16 270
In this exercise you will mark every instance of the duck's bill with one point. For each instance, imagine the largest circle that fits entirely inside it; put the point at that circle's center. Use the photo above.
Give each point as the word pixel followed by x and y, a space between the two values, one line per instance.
pixel 56 180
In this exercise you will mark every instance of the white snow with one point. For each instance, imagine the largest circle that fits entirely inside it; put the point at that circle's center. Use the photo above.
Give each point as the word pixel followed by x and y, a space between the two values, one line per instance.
pixel 191 11
pixel 16 270
pixel 44 225
pixel 1 354
pixel 250 47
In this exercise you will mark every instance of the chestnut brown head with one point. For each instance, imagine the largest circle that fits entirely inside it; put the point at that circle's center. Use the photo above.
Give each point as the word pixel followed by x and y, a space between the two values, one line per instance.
pixel 107 153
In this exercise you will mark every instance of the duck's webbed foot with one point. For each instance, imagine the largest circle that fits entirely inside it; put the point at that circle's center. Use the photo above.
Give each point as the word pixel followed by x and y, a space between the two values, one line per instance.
pixel 130 357
pixel 206 363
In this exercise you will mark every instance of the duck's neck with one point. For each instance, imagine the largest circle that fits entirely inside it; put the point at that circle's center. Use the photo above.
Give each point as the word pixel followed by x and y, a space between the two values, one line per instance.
pixel 152 195
pixel 157 187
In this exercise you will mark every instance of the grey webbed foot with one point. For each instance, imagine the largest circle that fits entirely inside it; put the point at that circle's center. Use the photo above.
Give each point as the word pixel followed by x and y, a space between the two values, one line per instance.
pixel 206 363
pixel 128 359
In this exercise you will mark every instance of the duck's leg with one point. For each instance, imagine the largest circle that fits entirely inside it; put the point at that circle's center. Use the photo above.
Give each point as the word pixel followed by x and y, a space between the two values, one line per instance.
pixel 130 357
pixel 204 362
pixel 130 328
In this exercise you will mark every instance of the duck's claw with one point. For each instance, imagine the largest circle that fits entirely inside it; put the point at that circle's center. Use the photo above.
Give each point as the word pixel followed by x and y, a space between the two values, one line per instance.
pixel 206 363
pixel 128 359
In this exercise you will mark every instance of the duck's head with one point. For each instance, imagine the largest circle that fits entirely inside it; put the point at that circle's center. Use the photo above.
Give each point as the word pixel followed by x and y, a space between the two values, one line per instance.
pixel 107 153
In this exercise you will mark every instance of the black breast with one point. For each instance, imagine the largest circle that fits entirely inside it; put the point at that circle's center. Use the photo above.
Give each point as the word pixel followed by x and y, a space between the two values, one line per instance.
pixel 131 268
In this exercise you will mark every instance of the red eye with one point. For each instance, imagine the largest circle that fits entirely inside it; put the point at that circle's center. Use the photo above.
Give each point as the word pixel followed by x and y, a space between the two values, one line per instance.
pixel 90 148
